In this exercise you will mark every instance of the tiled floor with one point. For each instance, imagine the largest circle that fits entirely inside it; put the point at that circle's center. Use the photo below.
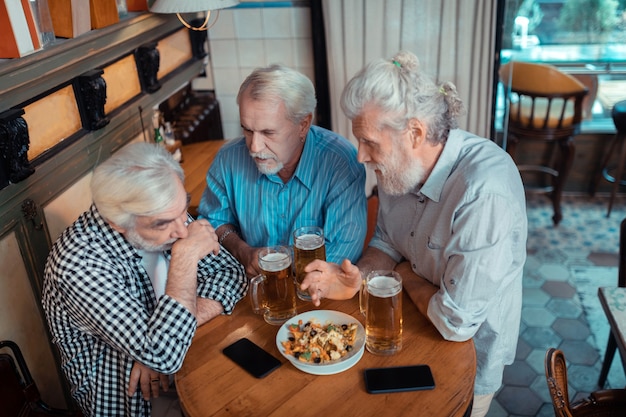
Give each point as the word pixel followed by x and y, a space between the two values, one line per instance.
pixel 565 266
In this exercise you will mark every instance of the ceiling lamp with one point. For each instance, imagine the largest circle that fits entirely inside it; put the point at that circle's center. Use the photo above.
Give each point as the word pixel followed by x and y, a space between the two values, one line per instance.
pixel 191 6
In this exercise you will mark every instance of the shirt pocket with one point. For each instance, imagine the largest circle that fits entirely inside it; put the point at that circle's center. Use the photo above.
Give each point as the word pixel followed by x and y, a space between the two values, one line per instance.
pixel 434 243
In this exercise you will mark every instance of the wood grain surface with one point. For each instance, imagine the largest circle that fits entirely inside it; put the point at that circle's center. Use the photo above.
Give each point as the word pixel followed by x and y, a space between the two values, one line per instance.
pixel 209 384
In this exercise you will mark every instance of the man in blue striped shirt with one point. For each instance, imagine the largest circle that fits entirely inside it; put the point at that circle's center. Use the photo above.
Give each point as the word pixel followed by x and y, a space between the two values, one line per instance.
pixel 283 174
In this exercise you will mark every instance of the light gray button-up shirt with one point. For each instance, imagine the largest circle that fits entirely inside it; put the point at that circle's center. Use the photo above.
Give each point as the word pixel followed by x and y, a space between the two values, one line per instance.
pixel 465 231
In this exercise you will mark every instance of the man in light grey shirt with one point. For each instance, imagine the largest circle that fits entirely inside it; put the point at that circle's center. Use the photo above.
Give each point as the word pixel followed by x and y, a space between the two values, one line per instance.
pixel 452 217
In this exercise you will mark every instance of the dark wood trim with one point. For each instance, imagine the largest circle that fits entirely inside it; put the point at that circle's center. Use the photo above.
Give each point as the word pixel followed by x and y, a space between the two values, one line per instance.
pixel 500 7
pixel 320 65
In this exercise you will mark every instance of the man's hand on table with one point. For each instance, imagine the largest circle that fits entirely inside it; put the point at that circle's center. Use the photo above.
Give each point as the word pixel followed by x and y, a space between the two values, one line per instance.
pixel 329 280
pixel 247 255
pixel 148 380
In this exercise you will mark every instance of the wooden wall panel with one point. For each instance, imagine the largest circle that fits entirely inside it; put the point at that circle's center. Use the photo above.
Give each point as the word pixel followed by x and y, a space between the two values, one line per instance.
pixel 174 51
pixel 66 207
pixel 122 83
pixel 51 119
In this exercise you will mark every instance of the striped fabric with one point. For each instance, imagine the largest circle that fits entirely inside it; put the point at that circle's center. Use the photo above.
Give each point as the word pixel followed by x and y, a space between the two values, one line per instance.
pixel 326 190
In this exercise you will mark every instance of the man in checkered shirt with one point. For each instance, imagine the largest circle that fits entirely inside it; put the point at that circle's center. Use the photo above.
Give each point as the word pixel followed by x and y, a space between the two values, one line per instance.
pixel 120 337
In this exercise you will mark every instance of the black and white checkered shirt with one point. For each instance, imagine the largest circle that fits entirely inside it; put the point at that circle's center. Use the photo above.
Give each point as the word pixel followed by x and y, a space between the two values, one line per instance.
pixel 103 314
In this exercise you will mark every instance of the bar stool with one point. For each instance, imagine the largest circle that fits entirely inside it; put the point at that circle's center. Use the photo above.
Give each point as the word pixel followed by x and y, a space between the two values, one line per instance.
pixel 619 140
pixel 543 105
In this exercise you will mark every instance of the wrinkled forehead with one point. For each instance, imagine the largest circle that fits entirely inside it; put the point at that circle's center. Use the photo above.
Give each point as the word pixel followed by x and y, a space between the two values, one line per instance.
pixel 363 126
pixel 370 119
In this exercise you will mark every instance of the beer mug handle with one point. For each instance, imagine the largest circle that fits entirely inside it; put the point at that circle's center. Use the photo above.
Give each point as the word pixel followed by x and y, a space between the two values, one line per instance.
pixel 363 297
pixel 257 295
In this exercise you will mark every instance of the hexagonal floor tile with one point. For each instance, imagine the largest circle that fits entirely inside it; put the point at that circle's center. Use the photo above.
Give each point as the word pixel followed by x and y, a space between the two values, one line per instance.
pixel 521 401
pixel 574 329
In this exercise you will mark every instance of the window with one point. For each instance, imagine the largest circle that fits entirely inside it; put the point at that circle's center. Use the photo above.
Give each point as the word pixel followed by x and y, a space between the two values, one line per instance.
pixel 586 38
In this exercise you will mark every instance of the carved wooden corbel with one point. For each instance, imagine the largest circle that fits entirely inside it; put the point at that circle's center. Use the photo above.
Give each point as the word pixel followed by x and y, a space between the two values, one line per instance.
pixel 14 144
pixel 30 213
pixel 91 94
pixel 198 39
pixel 148 59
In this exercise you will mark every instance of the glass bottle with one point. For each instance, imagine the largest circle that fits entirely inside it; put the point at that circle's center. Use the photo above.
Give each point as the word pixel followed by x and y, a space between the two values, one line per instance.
pixel 168 134
pixel 156 124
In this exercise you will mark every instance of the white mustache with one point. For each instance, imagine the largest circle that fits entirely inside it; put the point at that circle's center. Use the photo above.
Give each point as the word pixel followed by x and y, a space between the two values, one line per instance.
pixel 374 167
pixel 262 155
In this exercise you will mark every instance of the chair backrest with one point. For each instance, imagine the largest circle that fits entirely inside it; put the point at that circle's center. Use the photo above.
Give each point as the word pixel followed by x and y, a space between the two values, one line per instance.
pixel 15 381
pixel 543 102
pixel 556 377
pixel 591 82
pixel 601 403
pixel 19 395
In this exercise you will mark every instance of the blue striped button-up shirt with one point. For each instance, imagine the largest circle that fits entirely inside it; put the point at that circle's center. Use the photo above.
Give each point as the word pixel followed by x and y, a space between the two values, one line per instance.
pixel 326 190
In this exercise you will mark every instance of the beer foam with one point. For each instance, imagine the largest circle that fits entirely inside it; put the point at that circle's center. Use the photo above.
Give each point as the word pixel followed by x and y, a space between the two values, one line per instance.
pixel 275 261
pixel 309 241
pixel 382 286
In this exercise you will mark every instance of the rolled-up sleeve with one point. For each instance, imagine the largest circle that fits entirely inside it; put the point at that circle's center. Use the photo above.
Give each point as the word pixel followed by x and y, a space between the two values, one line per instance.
pixel 222 278
pixel 482 267
pixel 170 331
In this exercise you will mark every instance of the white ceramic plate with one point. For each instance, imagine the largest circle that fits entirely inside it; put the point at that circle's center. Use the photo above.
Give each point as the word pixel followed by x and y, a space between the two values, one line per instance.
pixel 322 317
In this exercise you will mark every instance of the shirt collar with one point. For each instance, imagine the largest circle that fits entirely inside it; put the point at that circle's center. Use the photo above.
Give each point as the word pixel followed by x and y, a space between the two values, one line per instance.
pixel 116 242
pixel 433 187
pixel 303 172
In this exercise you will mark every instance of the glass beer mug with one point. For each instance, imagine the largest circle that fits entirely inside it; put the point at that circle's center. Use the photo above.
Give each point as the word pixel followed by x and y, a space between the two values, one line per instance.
pixel 273 292
pixel 308 245
pixel 381 303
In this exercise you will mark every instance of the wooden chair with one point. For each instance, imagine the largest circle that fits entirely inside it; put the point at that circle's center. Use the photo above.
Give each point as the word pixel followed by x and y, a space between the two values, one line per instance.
pixel 613 304
pixel 546 105
pixel 19 395
pixel 602 403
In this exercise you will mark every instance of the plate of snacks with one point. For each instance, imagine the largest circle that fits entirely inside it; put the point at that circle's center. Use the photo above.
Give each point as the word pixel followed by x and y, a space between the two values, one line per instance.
pixel 322 342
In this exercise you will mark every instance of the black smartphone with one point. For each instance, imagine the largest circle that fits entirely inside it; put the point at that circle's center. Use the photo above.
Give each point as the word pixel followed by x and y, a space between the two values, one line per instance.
pixel 399 378
pixel 251 357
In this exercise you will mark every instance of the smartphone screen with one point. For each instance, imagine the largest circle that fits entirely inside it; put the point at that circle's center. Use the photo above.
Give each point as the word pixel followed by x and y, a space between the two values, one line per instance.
pixel 400 378
pixel 251 357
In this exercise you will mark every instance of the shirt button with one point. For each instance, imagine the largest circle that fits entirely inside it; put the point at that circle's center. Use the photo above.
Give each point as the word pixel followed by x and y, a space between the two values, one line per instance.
pixel 412 234
pixel 414 266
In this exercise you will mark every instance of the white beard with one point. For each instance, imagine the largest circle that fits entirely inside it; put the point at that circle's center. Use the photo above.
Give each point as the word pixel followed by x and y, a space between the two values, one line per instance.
pixel 399 176
pixel 264 168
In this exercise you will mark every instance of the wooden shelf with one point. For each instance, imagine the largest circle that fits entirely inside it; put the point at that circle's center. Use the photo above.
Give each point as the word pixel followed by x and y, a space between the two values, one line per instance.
pixel 25 79
pixel 21 79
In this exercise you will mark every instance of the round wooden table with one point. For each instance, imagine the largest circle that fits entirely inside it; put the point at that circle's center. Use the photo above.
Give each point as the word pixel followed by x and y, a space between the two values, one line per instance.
pixel 210 384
